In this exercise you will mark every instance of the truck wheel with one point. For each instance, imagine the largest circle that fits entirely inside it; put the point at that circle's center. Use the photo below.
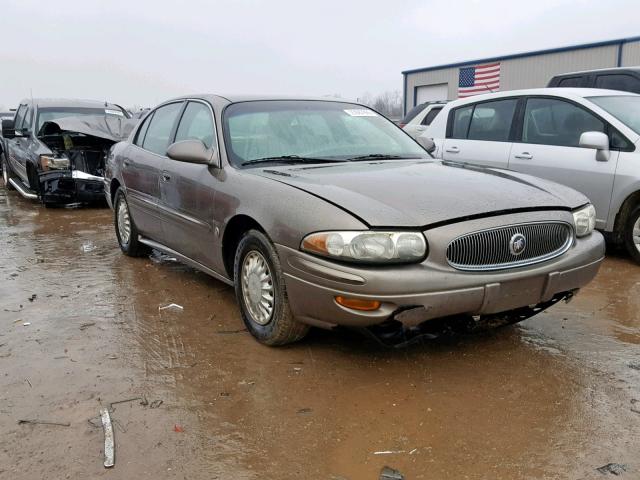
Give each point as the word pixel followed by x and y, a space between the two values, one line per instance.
pixel 6 172
pixel 632 234
pixel 261 292
pixel 126 230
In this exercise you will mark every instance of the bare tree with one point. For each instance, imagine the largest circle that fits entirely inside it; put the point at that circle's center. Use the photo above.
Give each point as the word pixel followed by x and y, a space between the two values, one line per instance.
pixel 388 103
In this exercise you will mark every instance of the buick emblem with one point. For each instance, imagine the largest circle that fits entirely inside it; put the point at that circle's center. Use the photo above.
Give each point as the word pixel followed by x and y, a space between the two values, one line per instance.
pixel 517 244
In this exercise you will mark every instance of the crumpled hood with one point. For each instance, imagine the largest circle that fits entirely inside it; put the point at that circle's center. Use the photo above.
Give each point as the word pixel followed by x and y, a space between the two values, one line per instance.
pixel 421 193
pixel 108 127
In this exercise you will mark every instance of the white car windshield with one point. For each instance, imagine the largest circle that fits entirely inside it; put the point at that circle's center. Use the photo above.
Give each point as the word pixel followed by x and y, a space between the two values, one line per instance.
pixel 625 108
pixel 296 130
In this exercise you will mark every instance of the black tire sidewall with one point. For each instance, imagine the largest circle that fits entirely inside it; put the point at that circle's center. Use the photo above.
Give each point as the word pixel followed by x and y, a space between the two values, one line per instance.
pixel 254 240
pixel 628 234
pixel 7 168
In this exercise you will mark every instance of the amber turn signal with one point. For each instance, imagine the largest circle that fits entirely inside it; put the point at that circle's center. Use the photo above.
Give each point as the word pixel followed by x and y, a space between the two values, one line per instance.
pixel 358 304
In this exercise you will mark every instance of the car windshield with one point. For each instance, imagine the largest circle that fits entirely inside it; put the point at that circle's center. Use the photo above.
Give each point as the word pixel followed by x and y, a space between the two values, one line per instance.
pixel 294 130
pixel 625 108
pixel 54 113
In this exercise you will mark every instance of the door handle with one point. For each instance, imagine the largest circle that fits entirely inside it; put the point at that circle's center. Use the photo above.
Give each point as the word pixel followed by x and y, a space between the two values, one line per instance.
pixel 452 150
pixel 421 128
pixel 166 177
pixel 126 163
pixel 524 156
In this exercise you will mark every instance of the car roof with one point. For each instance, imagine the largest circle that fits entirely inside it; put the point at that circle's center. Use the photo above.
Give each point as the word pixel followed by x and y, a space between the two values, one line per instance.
pixel 555 91
pixel 599 70
pixel 67 103
pixel 237 98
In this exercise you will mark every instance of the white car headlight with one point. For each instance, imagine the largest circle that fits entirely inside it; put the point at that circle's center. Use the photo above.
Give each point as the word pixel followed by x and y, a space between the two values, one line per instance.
pixel 585 220
pixel 368 246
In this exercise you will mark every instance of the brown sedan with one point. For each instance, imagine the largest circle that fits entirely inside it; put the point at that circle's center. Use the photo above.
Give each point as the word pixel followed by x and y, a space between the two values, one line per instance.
pixel 324 213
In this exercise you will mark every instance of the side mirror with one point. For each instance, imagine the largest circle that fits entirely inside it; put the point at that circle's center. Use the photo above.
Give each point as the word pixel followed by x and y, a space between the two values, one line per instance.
pixel 597 140
pixel 193 151
pixel 8 128
pixel 428 144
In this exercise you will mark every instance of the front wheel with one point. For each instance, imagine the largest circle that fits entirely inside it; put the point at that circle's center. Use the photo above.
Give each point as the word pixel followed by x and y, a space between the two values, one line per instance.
pixel 6 172
pixel 126 230
pixel 261 292
pixel 632 234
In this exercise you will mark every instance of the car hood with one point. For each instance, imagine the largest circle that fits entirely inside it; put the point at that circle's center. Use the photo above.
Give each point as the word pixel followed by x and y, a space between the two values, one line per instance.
pixel 111 127
pixel 420 193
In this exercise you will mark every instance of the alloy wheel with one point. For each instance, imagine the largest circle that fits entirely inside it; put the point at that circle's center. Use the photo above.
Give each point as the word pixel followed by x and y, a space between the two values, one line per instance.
pixel 124 222
pixel 257 287
pixel 636 233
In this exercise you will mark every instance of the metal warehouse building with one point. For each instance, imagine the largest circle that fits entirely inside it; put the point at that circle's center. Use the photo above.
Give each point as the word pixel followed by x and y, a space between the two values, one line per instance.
pixel 509 72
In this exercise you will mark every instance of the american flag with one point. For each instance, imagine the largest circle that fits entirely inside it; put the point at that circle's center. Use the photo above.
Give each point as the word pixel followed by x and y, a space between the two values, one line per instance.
pixel 479 79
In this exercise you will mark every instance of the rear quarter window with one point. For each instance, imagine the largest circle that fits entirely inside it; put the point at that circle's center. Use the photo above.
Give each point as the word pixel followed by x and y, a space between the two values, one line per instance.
pixel 413 113
pixel 618 81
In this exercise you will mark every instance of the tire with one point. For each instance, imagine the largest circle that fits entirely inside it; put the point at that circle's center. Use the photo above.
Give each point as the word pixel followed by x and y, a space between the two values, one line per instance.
pixel 126 230
pixel 631 234
pixel 256 255
pixel 6 172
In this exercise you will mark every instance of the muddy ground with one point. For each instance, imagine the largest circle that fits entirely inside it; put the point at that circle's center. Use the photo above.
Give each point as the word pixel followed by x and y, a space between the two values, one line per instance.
pixel 80 328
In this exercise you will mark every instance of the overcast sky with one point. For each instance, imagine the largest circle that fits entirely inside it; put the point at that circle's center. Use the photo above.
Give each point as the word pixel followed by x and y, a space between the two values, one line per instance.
pixel 144 51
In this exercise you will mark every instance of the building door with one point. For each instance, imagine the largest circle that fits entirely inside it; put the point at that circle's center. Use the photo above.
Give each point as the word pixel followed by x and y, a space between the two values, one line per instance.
pixel 431 93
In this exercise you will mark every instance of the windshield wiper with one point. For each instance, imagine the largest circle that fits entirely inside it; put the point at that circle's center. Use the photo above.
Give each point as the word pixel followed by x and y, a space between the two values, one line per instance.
pixel 375 156
pixel 289 159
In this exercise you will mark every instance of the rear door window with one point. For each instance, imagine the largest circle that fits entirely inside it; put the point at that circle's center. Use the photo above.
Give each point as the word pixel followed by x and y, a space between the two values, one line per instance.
pixel 160 128
pixel 491 121
pixel 143 130
pixel 428 118
pixel 570 82
pixel 550 121
pixel 618 81
pixel 196 124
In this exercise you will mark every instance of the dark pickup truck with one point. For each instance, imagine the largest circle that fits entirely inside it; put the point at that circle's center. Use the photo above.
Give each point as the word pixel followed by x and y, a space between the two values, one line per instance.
pixel 626 79
pixel 55 150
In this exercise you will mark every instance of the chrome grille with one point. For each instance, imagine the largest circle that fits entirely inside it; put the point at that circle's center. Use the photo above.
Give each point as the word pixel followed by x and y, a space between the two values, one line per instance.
pixel 490 249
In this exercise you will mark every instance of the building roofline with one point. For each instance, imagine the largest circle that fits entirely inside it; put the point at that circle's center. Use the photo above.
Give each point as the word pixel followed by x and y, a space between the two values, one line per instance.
pixel 619 41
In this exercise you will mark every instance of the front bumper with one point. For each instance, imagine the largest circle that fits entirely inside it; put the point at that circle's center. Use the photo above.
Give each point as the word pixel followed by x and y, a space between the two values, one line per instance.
pixel 65 186
pixel 437 290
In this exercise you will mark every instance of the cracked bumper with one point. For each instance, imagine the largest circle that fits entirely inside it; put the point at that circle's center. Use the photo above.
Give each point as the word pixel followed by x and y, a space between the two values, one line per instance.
pixel 71 186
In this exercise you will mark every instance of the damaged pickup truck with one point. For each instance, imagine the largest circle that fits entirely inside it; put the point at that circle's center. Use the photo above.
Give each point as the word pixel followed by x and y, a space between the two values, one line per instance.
pixel 55 150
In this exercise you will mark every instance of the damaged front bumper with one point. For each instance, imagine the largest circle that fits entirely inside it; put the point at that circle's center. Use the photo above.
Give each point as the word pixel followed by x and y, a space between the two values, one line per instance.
pixel 66 186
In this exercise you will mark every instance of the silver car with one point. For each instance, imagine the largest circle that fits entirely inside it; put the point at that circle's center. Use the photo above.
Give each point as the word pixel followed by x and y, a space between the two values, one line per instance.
pixel 324 213
pixel 588 139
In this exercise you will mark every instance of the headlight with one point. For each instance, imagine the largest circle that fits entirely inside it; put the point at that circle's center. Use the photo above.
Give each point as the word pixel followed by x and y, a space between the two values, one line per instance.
pixel 585 220
pixel 378 247
pixel 49 162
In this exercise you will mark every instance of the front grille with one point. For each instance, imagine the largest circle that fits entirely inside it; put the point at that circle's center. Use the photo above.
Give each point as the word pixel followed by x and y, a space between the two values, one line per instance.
pixel 497 248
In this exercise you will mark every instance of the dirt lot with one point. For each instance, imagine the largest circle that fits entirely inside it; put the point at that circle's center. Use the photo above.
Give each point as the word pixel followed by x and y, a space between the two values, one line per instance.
pixel 80 328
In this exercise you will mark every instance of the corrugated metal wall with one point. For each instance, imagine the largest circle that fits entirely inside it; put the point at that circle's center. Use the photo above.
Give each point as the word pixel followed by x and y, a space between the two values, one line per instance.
pixel 531 71
pixel 631 54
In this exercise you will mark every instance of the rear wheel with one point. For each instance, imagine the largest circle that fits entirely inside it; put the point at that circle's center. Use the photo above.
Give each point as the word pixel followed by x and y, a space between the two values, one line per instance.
pixel 632 234
pixel 126 230
pixel 6 172
pixel 261 292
